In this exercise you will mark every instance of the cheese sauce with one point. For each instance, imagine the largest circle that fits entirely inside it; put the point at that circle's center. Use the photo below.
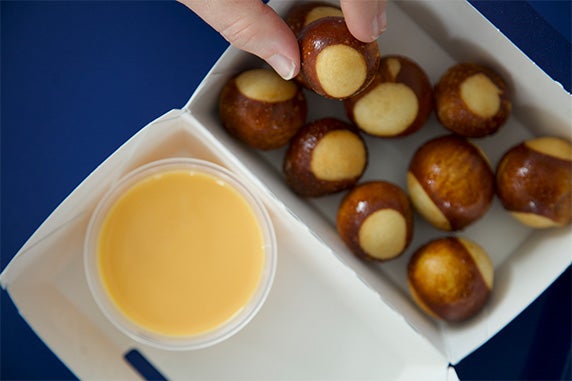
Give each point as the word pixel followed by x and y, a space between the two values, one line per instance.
pixel 180 253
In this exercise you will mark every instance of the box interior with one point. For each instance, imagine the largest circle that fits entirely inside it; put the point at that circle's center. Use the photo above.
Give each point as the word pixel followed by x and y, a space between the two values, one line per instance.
pixel 435 37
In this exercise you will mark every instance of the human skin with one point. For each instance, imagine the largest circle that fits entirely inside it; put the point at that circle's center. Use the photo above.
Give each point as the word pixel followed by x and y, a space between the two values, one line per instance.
pixel 254 27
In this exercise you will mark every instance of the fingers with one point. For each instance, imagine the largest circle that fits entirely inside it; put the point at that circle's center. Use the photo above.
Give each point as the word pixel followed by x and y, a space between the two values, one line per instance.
pixel 254 27
pixel 366 19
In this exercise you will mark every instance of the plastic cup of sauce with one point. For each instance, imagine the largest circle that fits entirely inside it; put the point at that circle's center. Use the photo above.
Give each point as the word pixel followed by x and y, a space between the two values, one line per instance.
pixel 180 254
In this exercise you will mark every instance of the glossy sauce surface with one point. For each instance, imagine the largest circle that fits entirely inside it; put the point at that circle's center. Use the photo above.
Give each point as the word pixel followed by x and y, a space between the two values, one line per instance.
pixel 180 253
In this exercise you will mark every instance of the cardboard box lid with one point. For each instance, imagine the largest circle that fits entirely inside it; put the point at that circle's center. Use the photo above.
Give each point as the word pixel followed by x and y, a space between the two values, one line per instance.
pixel 319 320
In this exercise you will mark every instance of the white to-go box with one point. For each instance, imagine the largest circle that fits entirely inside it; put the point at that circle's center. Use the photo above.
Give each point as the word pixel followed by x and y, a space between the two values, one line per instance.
pixel 329 315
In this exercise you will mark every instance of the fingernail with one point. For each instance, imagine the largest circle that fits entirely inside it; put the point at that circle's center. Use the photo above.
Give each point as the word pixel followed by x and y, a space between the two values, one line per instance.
pixel 284 66
pixel 379 24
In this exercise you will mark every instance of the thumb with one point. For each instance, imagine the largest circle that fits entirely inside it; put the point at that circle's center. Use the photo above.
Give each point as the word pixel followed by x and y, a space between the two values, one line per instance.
pixel 252 26
pixel 366 19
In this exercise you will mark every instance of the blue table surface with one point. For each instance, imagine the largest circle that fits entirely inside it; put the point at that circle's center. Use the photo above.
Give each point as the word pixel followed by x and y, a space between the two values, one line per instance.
pixel 79 78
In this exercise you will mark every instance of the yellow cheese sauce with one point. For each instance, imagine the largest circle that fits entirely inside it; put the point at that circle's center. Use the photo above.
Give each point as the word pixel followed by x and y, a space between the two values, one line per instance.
pixel 180 253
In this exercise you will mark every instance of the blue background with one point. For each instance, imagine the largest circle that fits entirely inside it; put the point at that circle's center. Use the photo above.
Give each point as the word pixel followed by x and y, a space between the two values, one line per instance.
pixel 79 78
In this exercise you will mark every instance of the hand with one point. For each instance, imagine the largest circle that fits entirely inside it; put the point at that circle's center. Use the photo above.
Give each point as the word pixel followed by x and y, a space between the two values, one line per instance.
pixel 254 27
